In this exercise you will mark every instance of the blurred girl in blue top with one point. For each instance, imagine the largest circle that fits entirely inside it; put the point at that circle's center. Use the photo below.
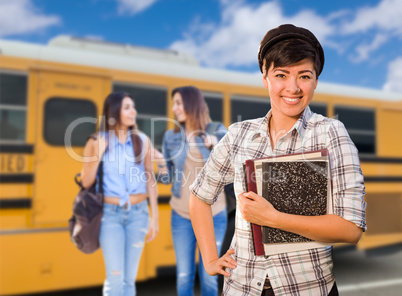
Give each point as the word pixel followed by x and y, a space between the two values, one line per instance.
pixel 185 150
pixel 128 181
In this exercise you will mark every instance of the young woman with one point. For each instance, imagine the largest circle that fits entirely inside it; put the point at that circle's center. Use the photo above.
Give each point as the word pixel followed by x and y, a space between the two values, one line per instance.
pixel 128 181
pixel 290 59
pixel 185 150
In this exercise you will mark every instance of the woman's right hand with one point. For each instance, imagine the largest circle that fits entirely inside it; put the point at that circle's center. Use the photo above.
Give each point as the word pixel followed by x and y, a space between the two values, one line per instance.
pixel 218 266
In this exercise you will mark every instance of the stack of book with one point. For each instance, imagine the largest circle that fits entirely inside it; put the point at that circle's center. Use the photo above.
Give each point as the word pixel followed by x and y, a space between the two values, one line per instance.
pixel 298 184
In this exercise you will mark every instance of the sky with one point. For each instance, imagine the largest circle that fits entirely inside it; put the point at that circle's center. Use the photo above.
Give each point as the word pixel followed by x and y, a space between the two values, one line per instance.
pixel 362 39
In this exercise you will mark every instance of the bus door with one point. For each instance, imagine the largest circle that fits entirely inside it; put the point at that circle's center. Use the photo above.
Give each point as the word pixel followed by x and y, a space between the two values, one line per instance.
pixel 68 105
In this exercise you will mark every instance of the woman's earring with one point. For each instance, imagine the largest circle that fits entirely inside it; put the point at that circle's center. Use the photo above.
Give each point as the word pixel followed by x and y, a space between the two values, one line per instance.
pixel 112 121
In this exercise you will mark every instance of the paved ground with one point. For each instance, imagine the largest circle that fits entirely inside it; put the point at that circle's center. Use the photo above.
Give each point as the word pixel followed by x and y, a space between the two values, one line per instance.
pixel 358 273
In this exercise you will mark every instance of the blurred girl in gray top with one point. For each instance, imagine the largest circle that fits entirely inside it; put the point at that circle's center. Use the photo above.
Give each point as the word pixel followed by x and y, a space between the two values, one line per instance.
pixel 185 150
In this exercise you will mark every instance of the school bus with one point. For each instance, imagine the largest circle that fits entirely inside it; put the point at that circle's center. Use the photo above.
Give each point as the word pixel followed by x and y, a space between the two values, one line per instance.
pixel 46 88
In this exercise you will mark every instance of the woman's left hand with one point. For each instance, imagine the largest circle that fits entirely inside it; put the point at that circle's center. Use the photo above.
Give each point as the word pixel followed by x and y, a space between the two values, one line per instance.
pixel 153 229
pixel 210 141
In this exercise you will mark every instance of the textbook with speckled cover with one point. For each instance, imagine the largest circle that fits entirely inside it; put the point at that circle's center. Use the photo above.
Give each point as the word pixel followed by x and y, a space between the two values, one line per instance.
pixel 297 184
pixel 294 187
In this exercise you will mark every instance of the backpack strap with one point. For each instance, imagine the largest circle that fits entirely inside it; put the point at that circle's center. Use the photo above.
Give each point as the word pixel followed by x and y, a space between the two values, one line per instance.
pixel 94 136
pixel 77 180
pixel 100 174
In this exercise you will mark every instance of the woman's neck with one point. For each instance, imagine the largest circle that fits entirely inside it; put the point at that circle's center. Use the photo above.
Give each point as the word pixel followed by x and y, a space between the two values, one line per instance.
pixel 278 127
pixel 188 129
pixel 121 134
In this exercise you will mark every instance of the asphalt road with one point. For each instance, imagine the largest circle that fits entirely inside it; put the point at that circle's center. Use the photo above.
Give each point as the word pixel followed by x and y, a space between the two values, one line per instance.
pixel 357 273
pixel 377 273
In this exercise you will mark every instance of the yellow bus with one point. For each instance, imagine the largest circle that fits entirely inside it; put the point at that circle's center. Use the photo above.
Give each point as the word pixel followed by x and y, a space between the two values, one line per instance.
pixel 45 88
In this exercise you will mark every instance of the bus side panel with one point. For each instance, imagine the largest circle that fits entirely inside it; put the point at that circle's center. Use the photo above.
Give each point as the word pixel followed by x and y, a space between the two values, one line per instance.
pixel 60 97
pixel 389 131
pixel 47 261
pixel 160 252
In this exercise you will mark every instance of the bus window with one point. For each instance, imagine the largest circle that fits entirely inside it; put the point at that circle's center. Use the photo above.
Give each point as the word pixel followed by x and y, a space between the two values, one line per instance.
pixel 151 106
pixel 244 108
pixel 360 123
pixel 13 107
pixel 319 108
pixel 60 113
pixel 215 105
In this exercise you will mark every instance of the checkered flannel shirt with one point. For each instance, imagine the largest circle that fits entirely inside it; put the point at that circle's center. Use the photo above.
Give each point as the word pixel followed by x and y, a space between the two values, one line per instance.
pixel 306 272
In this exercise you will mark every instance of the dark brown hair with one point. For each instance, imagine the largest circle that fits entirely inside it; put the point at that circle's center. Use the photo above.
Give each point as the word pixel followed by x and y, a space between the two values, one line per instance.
pixel 195 107
pixel 289 52
pixel 111 116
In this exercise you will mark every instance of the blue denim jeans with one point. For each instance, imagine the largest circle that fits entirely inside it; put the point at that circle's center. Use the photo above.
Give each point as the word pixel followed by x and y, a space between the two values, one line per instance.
pixel 122 238
pixel 185 249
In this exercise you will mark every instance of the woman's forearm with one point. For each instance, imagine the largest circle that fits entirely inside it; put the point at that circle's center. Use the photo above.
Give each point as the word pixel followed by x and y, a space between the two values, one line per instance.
pixel 326 228
pixel 88 173
pixel 203 225
pixel 151 182
pixel 153 196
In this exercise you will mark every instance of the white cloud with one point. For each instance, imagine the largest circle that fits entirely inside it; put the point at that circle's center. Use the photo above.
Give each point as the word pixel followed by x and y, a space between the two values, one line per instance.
pixel 385 16
pixel 132 7
pixel 394 76
pixel 94 37
pixel 21 17
pixel 382 21
pixel 235 40
pixel 364 50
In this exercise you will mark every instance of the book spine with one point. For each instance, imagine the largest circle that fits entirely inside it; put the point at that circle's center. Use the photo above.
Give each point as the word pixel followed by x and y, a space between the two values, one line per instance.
pixel 255 229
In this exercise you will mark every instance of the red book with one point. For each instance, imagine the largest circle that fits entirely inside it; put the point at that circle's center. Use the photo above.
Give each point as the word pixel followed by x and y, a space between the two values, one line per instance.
pixel 255 229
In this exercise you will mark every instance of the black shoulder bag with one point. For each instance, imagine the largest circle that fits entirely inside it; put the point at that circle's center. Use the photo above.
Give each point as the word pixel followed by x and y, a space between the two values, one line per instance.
pixel 85 223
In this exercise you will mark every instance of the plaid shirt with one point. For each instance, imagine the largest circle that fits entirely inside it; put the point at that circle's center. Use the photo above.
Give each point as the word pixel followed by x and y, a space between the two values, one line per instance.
pixel 307 272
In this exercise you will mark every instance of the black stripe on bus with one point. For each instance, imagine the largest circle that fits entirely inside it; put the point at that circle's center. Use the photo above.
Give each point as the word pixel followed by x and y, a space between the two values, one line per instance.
pixel 5 148
pixel 375 159
pixel 383 179
pixel 14 178
pixel 16 203
pixel 32 230
pixel 163 199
